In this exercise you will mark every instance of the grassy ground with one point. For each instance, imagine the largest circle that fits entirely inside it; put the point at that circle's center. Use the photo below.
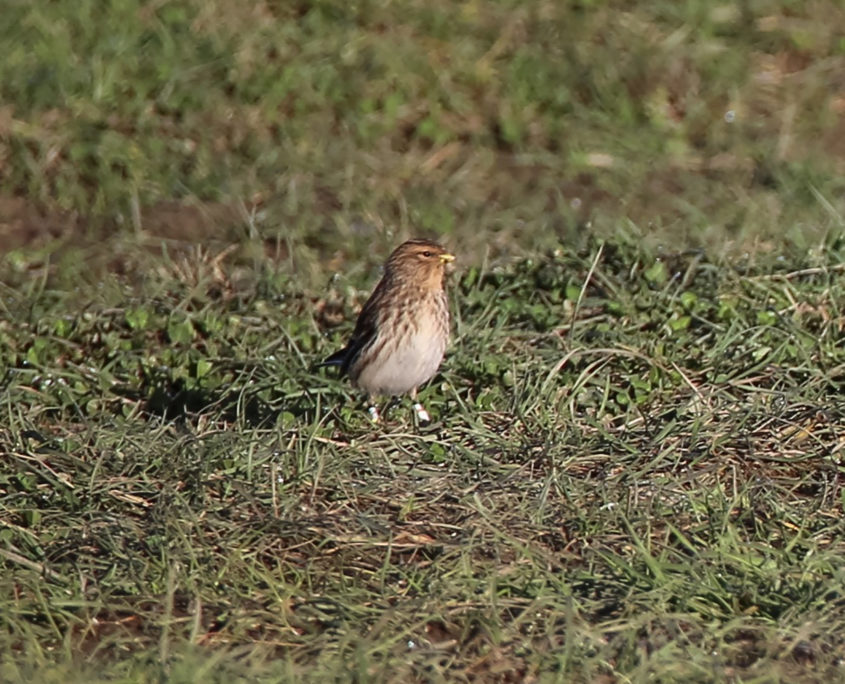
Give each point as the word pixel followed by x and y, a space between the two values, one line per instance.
pixel 634 472
pixel 634 468
pixel 508 126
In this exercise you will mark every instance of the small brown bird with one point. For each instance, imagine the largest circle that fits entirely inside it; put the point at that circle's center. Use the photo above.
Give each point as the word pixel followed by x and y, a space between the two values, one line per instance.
pixel 402 331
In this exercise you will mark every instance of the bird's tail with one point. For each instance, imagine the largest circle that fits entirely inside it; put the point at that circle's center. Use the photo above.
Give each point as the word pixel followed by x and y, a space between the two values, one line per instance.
pixel 336 359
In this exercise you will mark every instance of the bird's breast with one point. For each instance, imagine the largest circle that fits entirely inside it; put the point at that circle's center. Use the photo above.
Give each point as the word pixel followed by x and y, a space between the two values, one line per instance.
pixel 407 350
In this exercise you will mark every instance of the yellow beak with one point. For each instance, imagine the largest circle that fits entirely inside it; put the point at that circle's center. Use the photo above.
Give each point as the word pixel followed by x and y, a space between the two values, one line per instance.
pixel 446 258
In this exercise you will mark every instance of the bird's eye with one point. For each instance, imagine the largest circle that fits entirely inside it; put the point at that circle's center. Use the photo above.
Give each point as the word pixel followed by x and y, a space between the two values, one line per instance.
pixel 426 254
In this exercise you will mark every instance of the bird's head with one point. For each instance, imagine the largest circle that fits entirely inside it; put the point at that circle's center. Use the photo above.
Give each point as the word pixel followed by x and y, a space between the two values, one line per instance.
pixel 420 262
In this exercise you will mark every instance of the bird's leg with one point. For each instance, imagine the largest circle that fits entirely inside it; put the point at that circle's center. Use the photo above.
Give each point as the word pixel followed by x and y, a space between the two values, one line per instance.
pixel 373 410
pixel 419 409
pixel 422 414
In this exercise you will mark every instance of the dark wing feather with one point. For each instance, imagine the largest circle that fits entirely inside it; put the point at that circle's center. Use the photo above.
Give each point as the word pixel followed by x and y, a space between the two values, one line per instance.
pixel 335 359
pixel 366 330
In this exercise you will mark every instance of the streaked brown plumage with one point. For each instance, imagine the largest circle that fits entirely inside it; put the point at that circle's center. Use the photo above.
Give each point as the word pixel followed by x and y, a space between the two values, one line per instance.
pixel 402 331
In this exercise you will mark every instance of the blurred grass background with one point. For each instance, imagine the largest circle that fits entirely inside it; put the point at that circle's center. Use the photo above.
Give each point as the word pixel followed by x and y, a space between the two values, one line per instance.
pixel 323 126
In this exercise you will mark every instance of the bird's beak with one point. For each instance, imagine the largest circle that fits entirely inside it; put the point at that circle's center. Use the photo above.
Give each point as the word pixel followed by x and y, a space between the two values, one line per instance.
pixel 447 258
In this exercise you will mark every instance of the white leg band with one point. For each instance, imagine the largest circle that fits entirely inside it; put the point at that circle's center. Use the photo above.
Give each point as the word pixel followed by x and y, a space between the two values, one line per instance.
pixel 422 414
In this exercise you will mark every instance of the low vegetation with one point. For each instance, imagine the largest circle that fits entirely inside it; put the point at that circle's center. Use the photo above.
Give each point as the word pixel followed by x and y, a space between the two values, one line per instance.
pixel 634 468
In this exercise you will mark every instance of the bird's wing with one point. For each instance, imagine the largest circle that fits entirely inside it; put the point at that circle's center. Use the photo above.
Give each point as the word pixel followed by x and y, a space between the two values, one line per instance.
pixel 366 330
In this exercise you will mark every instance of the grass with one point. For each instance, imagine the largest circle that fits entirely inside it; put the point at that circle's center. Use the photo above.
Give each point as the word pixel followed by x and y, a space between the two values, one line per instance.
pixel 507 126
pixel 633 472
pixel 634 468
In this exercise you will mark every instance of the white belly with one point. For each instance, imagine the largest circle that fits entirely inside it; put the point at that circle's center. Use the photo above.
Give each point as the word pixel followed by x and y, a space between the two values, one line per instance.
pixel 404 367
pixel 400 365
